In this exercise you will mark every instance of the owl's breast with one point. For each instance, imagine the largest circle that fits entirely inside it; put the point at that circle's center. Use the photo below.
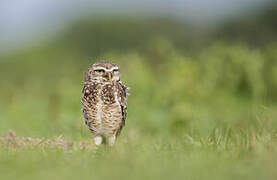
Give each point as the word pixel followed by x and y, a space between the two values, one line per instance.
pixel 108 94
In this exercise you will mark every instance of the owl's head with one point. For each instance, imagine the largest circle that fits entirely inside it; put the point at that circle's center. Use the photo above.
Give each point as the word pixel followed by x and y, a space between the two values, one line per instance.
pixel 103 72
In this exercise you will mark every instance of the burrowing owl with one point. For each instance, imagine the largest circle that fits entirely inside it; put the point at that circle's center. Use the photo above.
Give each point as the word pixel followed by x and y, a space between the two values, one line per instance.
pixel 104 102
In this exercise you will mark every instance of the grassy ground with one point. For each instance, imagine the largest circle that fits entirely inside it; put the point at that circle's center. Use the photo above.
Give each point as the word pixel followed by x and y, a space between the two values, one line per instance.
pixel 223 155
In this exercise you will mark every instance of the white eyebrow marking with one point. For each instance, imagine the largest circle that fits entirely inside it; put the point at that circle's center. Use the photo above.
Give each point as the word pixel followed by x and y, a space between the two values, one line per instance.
pixel 100 68
pixel 107 70
pixel 115 68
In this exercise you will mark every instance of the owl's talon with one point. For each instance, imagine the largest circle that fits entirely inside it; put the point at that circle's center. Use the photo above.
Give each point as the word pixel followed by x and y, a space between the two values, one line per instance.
pixel 98 140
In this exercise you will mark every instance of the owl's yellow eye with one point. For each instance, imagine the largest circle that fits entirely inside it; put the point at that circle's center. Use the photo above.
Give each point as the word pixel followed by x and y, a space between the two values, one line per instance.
pixel 99 70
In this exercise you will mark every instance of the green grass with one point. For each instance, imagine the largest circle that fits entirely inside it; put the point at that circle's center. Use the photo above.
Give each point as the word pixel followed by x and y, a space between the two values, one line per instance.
pixel 223 155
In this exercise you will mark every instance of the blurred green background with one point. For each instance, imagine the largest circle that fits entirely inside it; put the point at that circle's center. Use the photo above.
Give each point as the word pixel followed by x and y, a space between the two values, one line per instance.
pixel 202 105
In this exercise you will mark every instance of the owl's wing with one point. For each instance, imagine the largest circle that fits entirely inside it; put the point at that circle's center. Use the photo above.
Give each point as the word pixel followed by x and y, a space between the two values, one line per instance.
pixel 123 93
pixel 89 94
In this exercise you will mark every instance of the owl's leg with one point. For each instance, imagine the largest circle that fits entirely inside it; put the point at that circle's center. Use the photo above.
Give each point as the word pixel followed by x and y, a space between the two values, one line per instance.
pixel 98 140
pixel 111 140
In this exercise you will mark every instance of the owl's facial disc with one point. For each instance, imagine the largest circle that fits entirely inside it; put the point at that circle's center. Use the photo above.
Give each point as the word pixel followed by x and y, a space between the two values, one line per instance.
pixel 106 75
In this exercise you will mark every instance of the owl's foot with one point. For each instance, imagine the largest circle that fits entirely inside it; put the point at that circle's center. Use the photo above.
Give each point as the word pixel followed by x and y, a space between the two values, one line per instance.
pixel 111 140
pixel 98 140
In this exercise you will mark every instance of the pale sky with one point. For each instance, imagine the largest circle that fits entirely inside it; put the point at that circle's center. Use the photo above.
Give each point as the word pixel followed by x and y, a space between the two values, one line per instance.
pixel 23 20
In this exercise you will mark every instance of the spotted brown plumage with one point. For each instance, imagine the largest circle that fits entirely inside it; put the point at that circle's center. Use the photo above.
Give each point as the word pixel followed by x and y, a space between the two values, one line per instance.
pixel 104 102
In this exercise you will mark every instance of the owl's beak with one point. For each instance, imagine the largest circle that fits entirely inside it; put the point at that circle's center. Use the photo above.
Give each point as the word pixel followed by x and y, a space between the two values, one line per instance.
pixel 110 77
